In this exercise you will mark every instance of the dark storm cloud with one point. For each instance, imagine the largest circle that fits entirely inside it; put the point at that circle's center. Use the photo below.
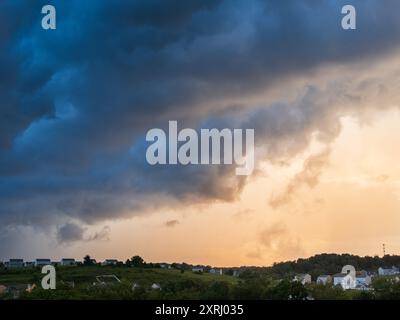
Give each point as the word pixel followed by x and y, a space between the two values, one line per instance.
pixel 72 232
pixel 75 103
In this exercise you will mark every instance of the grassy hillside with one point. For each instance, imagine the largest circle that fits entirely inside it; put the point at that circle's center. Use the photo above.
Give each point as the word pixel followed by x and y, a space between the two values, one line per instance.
pixel 87 275
pixel 173 283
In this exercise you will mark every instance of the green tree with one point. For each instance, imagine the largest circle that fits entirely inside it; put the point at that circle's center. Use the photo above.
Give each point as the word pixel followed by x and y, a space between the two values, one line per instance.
pixel 87 261
pixel 287 290
pixel 217 290
pixel 386 288
pixel 137 261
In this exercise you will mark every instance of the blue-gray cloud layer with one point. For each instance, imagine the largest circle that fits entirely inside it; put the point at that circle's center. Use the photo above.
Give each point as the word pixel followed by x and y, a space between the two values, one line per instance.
pixel 75 103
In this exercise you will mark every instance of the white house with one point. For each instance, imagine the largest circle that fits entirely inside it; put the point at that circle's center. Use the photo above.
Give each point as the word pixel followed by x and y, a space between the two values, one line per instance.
pixel 303 278
pixel 15 263
pixel 346 280
pixel 156 286
pixel 68 262
pixel 363 278
pixel 197 269
pixel 216 271
pixel 110 262
pixel 42 262
pixel 324 279
pixel 388 272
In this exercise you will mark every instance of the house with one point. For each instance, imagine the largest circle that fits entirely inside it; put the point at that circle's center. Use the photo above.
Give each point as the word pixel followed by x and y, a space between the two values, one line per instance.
pixel 165 266
pixel 29 264
pixel 216 271
pixel 363 278
pixel 303 278
pixel 66 262
pixel 15 263
pixel 346 280
pixel 42 262
pixel 197 269
pixel 324 279
pixel 388 272
pixel 156 286
pixel 110 262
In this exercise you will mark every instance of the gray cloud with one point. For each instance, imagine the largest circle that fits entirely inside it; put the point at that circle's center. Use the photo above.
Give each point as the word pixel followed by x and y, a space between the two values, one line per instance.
pixel 171 223
pixel 308 176
pixel 71 232
pixel 76 103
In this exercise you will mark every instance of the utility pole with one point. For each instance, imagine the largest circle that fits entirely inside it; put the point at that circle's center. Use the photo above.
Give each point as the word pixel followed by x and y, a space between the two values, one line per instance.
pixel 384 250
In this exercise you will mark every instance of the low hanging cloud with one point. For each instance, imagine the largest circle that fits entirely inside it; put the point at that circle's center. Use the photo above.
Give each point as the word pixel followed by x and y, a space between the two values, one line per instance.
pixel 278 239
pixel 76 103
pixel 171 223
pixel 276 242
pixel 309 176
pixel 72 232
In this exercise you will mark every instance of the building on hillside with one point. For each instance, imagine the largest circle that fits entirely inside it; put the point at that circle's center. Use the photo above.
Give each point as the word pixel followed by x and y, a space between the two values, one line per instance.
pixel 110 262
pixel 197 269
pixel 324 279
pixel 216 271
pixel 66 262
pixel 388 272
pixel 156 286
pixel 303 278
pixel 363 278
pixel 42 262
pixel 15 263
pixel 346 281
pixel 29 264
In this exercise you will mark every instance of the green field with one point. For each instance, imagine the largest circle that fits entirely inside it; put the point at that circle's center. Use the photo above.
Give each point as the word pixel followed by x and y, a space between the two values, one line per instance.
pixel 174 283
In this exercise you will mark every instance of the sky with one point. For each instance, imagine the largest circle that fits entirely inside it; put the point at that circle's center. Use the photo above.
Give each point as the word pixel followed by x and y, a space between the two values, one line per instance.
pixel 76 104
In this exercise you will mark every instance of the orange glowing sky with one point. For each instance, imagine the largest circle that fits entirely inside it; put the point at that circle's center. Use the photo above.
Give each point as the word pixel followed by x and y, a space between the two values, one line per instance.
pixel 341 196
pixel 77 102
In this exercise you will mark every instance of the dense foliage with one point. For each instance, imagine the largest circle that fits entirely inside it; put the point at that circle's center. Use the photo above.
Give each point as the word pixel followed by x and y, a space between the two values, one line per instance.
pixel 179 282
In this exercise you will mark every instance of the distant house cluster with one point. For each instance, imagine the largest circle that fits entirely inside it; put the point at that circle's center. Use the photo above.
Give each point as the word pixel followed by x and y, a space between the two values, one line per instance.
pixel 69 262
pixel 360 280
pixel 200 269
pixel 64 262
